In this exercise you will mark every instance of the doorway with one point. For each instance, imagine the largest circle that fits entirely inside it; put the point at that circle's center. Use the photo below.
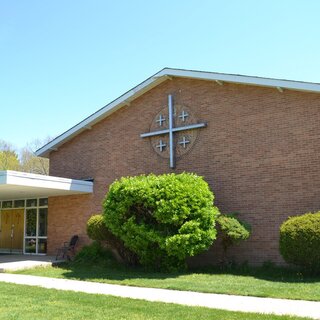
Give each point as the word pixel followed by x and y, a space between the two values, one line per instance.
pixel 11 230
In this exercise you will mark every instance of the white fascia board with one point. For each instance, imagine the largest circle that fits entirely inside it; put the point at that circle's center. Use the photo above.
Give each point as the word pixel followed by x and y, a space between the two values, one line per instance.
pixel 46 182
pixel 156 79
pixel 249 80
pixel 123 100
pixel 3 177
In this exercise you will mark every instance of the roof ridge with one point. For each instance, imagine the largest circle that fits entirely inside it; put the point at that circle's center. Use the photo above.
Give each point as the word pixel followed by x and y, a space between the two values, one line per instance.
pixel 161 76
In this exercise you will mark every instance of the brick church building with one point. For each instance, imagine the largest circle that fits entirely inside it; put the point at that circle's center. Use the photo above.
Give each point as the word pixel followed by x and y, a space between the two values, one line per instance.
pixel 256 141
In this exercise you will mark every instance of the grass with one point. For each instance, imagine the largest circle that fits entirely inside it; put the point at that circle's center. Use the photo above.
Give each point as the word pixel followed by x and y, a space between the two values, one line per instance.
pixel 260 282
pixel 20 302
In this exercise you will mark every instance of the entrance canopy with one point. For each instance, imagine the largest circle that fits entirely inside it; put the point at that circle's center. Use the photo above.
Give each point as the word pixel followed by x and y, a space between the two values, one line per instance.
pixel 20 185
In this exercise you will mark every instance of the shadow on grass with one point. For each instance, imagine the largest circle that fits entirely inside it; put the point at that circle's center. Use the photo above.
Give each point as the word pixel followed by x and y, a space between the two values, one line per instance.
pixel 112 271
pixel 267 272
pixel 87 271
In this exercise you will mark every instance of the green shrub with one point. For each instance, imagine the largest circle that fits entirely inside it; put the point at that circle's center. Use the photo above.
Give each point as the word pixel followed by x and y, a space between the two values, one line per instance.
pixel 163 219
pixel 97 230
pixel 233 230
pixel 300 241
pixel 94 253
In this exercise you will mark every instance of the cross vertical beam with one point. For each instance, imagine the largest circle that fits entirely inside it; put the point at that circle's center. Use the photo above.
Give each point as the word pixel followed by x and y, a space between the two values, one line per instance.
pixel 170 105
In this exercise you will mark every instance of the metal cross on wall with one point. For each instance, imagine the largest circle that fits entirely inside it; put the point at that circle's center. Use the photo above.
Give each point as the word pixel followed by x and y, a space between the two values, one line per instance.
pixel 171 130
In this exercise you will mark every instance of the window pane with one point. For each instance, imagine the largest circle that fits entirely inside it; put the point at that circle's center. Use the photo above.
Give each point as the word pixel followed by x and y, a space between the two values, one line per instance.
pixel 19 203
pixel 42 245
pixel 30 245
pixel 31 202
pixel 42 231
pixel 31 222
pixel 6 204
pixel 43 202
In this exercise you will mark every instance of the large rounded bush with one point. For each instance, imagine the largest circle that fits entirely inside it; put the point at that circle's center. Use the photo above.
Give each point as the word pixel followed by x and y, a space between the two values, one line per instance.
pixel 300 241
pixel 163 219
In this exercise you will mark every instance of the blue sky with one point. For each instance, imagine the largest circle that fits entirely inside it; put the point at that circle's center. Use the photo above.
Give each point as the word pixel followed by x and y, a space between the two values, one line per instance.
pixel 60 61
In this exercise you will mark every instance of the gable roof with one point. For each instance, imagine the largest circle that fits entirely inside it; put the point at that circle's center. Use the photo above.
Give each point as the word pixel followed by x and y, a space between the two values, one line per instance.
pixel 156 79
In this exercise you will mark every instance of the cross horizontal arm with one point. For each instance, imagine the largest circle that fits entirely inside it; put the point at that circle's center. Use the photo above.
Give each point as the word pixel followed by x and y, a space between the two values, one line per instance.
pixel 190 127
pixel 161 132
pixel 154 133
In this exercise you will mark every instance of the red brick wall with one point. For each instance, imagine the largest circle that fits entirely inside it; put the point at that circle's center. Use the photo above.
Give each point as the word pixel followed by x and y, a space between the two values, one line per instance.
pixel 67 216
pixel 259 153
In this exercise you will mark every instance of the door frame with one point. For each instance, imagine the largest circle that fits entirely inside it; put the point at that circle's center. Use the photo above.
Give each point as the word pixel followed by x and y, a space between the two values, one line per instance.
pixel 41 203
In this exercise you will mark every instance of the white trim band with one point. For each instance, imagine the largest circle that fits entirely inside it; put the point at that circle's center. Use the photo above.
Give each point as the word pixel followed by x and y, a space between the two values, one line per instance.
pixel 18 185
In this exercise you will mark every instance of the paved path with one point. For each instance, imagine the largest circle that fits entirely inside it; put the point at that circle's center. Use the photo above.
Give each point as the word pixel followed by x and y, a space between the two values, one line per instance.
pixel 209 300
pixel 19 262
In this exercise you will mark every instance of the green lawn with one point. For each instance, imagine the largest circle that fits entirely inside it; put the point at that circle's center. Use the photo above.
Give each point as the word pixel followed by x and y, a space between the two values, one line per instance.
pixel 260 282
pixel 28 303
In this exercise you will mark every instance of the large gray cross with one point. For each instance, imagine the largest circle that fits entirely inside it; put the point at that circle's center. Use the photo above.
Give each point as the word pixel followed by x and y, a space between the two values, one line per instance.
pixel 172 129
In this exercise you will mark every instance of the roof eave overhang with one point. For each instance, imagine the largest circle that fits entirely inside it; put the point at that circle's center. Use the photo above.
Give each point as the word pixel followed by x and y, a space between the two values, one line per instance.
pixel 160 77
pixel 241 79
pixel 101 114
pixel 15 185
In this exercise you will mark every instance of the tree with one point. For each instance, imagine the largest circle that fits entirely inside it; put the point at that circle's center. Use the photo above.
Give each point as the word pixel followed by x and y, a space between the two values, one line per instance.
pixel 30 162
pixel 231 230
pixel 27 161
pixel 8 157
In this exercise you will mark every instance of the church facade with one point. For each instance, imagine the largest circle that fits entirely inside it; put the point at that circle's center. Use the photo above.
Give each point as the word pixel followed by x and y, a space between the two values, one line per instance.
pixel 254 140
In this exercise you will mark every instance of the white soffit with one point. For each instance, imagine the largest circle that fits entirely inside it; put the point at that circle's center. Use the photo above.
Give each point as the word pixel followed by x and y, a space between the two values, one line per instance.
pixel 162 76
pixel 20 185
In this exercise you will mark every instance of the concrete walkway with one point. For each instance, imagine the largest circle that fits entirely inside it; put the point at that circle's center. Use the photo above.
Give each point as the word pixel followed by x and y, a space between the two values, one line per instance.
pixel 209 300
pixel 20 262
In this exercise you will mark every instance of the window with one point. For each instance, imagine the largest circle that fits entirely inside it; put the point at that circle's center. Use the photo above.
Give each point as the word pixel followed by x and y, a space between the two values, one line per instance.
pixel 32 202
pixel 6 204
pixel 36 226
pixel 18 203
